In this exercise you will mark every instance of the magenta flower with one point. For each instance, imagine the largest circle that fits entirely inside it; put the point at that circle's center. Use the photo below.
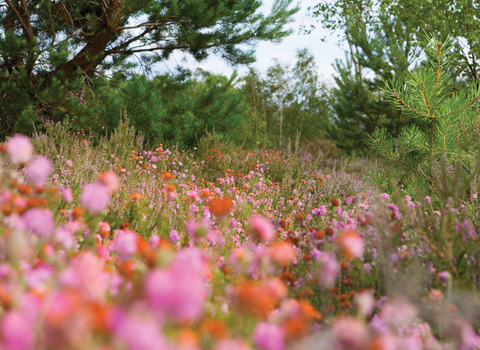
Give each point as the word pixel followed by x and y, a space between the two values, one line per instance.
pixel 176 293
pixel 39 169
pixel 322 210
pixel 38 221
pixel 17 332
pixel 261 229
pixel 174 236
pixel 179 291
pixel 94 197
pixel 268 336
pixel 327 271
pixel 19 149
pixel 126 244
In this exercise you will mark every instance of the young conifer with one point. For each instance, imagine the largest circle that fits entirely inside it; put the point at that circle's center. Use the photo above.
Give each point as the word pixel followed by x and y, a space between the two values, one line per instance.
pixel 444 135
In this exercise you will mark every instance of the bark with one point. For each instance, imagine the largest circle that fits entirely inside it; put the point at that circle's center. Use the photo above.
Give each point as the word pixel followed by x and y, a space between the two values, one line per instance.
pixel 94 51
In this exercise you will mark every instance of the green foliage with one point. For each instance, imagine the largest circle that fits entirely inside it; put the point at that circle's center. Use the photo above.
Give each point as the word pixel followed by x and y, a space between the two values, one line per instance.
pixel 285 104
pixel 385 38
pixel 50 50
pixel 445 136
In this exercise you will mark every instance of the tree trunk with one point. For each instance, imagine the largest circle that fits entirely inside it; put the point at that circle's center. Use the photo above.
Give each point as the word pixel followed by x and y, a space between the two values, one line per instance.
pixel 94 51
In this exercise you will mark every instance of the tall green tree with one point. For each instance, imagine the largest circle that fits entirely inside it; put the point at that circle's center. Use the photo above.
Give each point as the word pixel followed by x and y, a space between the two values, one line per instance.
pixel 49 48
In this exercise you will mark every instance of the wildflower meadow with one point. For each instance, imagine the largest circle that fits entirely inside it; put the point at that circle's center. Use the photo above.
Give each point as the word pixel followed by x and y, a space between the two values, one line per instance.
pixel 265 210
pixel 105 245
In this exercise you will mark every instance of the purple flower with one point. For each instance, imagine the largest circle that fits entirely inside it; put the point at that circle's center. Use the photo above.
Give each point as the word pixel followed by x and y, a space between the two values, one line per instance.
pixel 19 149
pixel 39 169
pixel 39 221
pixel 385 196
pixel 174 236
pixel 268 336
pixel 94 197
pixel 322 210
pixel 428 200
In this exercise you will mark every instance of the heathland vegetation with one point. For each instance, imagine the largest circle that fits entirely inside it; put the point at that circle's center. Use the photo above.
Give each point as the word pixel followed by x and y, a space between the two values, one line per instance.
pixel 268 211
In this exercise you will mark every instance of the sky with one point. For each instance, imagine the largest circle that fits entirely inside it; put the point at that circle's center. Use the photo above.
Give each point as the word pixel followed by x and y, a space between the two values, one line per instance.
pixel 325 52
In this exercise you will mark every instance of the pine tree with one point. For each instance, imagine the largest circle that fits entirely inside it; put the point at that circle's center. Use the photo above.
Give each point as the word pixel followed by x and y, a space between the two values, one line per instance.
pixel 445 136
pixel 49 49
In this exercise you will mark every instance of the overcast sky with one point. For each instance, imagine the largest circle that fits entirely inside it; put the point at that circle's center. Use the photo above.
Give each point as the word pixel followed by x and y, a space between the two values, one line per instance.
pixel 325 52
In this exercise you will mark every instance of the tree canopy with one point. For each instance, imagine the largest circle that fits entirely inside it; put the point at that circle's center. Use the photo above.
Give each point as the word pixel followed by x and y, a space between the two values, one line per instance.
pixel 47 48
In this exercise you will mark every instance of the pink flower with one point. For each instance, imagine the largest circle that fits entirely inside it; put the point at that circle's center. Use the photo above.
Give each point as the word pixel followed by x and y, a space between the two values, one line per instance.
pixel 153 241
pixel 328 269
pixel 350 333
pixel 67 195
pixel 174 236
pixel 140 334
pixel 94 197
pixel 65 238
pixel 39 169
pixel 177 294
pixel 261 229
pixel 39 221
pixel 268 336
pixel 126 244
pixel 109 180
pixel 365 302
pixel 435 295
pixel 398 313
pixel 351 244
pixel 230 344
pixel 87 275
pixel 17 332
pixel 19 149
pixel 179 291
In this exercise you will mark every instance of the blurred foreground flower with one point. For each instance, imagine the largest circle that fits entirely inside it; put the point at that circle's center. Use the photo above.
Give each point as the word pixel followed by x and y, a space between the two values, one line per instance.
pixel 220 207
pixel 95 197
pixel 39 169
pixel 350 244
pixel 261 229
pixel 19 149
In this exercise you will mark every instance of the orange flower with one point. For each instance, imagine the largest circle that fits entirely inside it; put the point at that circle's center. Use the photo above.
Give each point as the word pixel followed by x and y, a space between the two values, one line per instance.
pixel 24 189
pixel 168 176
pixel 295 327
pixel 282 253
pixel 136 196
pixel 216 329
pixel 77 213
pixel 206 193
pixel 220 206
pixel 335 202
pixel 170 188
pixel 350 244
pixel 254 298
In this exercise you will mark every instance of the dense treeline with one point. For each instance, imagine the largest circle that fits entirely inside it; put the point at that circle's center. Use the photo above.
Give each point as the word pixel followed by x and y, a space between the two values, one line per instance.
pixel 77 66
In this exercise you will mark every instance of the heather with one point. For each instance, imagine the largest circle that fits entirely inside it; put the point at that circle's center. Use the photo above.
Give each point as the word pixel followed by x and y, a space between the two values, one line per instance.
pixel 271 211
pixel 108 244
